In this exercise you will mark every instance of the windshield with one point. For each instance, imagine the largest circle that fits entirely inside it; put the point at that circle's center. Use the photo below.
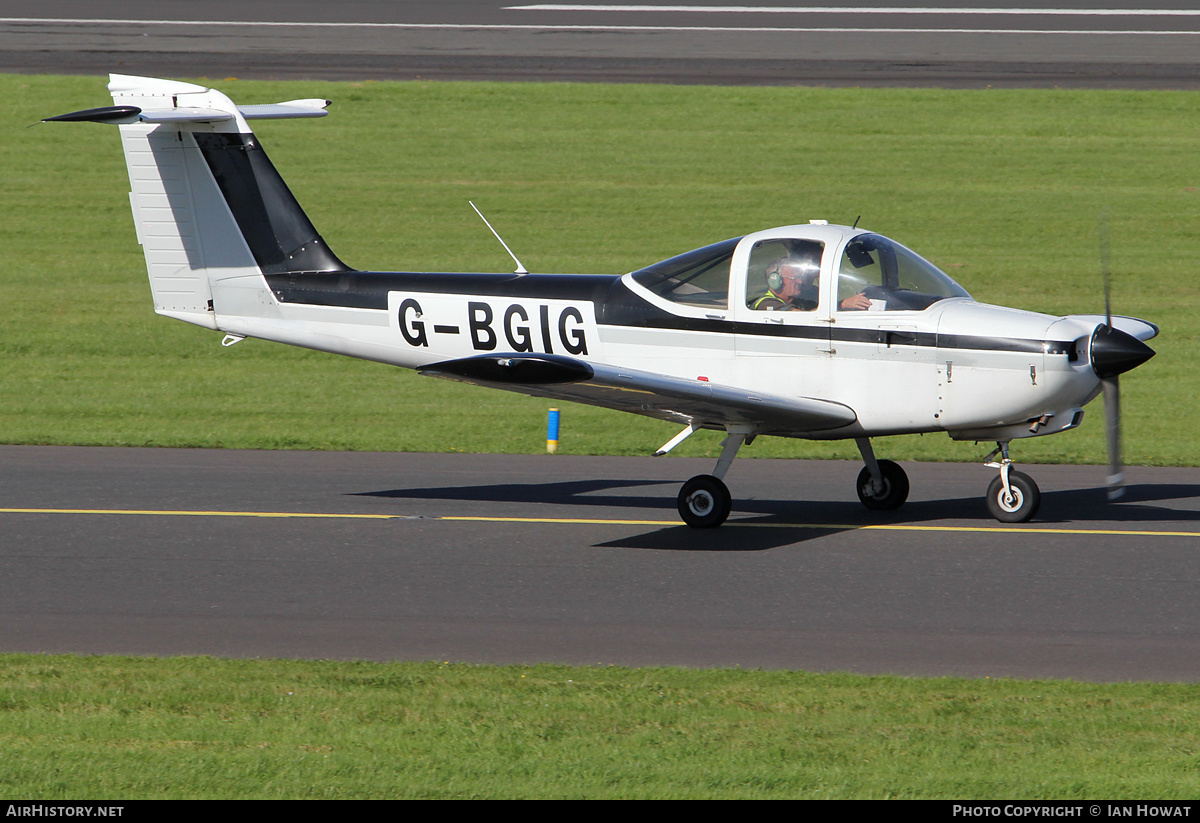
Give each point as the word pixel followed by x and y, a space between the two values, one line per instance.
pixel 878 274
pixel 695 278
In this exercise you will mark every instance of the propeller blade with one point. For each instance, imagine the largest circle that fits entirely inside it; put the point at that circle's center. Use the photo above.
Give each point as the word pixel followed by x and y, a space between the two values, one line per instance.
pixel 1105 270
pixel 1112 419
pixel 1109 359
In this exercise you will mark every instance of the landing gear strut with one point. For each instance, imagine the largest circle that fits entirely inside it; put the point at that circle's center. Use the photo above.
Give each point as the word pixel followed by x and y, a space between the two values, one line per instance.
pixel 1012 497
pixel 882 484
pixel 704 501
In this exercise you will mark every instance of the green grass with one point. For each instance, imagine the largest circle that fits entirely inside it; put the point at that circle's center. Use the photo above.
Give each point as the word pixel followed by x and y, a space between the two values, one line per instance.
pixel 116 728
pixel 1003 188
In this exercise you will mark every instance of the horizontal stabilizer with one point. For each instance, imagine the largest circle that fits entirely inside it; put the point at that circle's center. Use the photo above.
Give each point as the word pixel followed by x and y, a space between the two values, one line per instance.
pixel 184 115
pixel 314 107
pixel 167 102
pixel 121 115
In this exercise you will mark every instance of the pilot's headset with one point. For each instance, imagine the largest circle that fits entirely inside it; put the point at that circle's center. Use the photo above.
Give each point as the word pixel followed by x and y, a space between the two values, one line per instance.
pixel 801 266
pixel 774 277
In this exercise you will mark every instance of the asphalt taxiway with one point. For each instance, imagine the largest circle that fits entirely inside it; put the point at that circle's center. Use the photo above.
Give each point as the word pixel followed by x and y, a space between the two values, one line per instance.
pixel 504 559
pixel 770 42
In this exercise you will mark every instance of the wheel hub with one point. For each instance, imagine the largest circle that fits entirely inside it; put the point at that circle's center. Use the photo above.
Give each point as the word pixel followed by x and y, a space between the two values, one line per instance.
pixel 701 503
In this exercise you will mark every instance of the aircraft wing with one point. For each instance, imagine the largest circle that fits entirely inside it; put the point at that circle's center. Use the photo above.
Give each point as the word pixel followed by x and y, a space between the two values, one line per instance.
pixel 647 393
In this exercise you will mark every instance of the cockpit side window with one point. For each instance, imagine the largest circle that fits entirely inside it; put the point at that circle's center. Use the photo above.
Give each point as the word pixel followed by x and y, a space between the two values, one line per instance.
pixel 878 274
pixel 784 275
pixel 696 278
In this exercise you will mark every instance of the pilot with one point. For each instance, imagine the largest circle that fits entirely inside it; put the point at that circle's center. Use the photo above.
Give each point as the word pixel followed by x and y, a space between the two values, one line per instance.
pixel 791 285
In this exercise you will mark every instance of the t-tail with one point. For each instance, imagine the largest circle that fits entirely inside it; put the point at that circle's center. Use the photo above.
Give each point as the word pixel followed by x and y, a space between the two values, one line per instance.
pixel 212 213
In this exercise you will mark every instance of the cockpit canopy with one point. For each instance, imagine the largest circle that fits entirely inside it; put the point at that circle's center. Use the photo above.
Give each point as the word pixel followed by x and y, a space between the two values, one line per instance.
pixel 788 271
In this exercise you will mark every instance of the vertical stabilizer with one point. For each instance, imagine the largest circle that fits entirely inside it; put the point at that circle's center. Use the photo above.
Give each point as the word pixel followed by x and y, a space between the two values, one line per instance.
pixel 169 202
pixel 208 204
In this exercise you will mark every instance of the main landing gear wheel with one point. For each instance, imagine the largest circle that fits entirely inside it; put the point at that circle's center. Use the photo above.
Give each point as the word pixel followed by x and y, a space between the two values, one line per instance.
pixel 1019 506
pixel 704 502
pixel 894 491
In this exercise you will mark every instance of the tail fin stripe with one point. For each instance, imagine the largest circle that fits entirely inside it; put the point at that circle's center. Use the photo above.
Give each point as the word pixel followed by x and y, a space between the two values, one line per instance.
pixel 279 234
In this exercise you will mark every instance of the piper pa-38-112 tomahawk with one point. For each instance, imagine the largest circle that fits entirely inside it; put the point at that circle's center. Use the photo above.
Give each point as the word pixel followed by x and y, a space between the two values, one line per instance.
pixel 811 331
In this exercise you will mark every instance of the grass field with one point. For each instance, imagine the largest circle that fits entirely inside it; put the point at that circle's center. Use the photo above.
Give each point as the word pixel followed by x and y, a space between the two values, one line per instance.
pixel 119 728
pixel 1004 189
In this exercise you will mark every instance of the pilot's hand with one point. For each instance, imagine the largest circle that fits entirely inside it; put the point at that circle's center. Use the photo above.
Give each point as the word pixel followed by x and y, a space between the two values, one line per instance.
pixel 859 302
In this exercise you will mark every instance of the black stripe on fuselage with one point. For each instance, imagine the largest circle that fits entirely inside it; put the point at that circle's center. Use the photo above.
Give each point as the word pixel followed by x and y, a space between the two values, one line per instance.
pixel 370 289
pixel 615 305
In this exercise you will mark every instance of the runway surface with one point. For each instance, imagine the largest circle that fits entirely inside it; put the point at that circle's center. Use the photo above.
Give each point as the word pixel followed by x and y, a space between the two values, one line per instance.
pixel 507 559
pixel 1119 45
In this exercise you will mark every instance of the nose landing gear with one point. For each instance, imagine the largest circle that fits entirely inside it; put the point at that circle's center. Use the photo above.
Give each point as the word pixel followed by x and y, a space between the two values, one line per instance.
pixel 1012 497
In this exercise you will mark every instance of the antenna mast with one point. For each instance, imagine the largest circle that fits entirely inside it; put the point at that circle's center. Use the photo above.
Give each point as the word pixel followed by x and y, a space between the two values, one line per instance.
pixel 520 266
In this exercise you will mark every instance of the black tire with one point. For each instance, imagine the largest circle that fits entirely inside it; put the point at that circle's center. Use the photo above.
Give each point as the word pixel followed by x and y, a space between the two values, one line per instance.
pixel 704 502
pixel 1026 497
pixel 895 487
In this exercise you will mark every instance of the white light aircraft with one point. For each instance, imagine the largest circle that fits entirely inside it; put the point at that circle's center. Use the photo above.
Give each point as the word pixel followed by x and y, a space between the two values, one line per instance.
pixel 811 331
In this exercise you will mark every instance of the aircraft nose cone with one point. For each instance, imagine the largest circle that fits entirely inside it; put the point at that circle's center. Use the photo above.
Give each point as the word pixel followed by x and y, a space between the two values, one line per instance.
pixel 1116 352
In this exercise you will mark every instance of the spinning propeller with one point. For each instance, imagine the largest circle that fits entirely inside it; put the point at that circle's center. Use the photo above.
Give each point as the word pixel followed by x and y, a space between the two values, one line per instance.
pixel 1112 390
pixel 1113 352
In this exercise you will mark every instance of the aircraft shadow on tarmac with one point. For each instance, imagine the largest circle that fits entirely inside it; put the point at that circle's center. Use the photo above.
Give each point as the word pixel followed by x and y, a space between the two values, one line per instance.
pixel 1079 507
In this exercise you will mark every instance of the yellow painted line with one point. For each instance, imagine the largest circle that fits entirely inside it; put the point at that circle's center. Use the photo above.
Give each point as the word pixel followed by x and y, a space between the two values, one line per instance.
pixel 565 520
pixel 1014 530
pixel 848 526
pixel 614 522
pixel 285 515
pixel 169 513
